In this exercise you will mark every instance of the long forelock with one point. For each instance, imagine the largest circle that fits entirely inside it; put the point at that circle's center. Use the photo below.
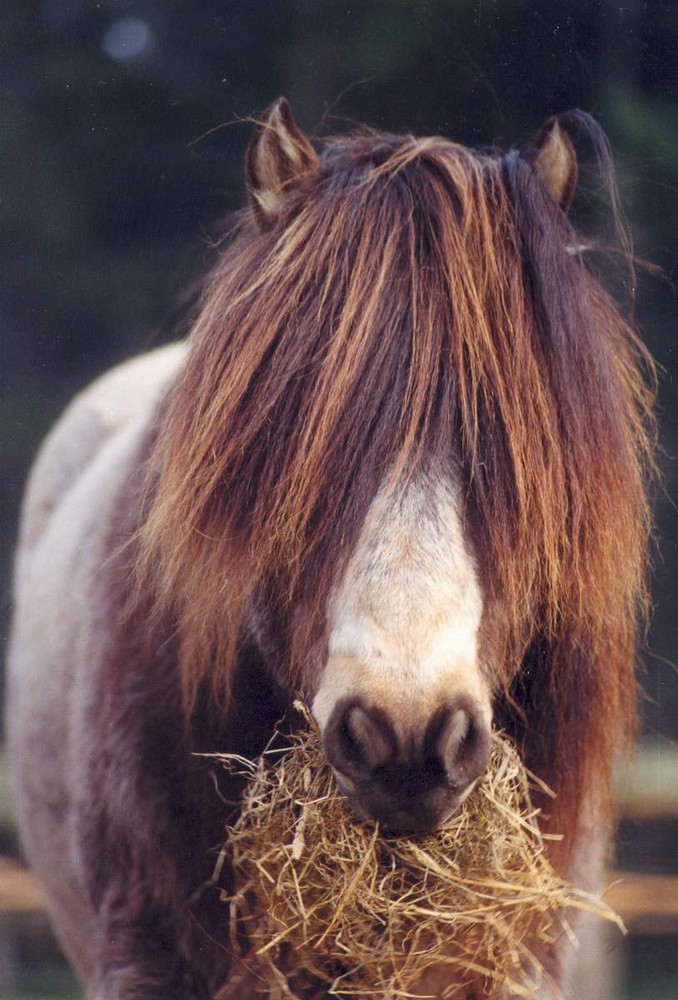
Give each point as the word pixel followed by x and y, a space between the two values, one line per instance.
pixel 416 305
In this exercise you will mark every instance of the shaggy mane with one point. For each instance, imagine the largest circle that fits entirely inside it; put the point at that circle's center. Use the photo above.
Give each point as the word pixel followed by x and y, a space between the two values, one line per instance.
pixel 417 304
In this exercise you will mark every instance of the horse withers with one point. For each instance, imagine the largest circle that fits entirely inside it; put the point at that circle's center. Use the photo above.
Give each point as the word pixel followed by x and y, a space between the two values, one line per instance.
pixel 400 467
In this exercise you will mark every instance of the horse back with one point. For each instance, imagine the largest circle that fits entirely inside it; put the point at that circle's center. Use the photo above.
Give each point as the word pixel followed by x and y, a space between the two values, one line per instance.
pixel 117 402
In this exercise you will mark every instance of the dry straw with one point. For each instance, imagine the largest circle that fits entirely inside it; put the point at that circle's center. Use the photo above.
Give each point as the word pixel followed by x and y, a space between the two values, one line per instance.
pixel 322 904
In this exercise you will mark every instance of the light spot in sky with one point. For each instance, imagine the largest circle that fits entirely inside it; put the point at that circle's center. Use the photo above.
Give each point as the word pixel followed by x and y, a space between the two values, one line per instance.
pixel 128 38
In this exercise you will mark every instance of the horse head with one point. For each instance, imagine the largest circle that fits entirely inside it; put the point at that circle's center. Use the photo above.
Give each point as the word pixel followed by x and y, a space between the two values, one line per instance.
pixel 383 462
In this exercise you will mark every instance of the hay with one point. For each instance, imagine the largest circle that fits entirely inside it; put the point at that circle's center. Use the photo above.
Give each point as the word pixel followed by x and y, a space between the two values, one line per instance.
pixel 323 904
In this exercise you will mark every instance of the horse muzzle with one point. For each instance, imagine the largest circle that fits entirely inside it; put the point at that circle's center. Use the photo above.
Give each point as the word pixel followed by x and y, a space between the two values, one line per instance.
pixel 407 779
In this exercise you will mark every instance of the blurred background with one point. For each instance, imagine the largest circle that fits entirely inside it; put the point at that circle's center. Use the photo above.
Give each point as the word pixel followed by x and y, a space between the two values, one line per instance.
pixel 124 124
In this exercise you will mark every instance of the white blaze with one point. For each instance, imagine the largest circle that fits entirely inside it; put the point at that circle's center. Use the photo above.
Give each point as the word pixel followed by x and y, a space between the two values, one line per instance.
pixel 404 620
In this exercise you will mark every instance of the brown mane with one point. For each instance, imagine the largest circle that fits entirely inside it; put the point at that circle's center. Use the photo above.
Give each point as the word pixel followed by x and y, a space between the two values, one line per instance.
pixel 417 302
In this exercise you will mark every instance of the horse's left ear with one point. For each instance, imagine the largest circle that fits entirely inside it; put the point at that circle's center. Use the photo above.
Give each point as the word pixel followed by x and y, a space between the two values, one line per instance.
pixel 278 152
pixel 554 159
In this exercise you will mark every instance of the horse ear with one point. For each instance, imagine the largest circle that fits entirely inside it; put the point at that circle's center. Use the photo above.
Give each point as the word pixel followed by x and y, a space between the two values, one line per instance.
pixel 278 152
pixel 554 159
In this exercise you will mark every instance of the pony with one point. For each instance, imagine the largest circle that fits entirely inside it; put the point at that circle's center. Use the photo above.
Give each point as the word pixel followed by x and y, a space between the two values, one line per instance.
pixel 401 467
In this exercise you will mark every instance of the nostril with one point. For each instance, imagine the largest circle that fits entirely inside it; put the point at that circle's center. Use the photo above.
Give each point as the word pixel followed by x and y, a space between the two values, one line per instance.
pixel 352 740
pixel 463 743
pixel 358 739
pixel 460 731
pixel 367 738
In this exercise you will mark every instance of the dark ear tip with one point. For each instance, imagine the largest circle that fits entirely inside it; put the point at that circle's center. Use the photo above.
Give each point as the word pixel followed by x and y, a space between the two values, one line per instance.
pixel 279 109
pixel 550 130
pixel 546 131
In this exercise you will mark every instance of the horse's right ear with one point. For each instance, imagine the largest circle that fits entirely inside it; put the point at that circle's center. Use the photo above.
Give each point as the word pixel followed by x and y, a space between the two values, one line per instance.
pixel 277 153
pixel 553 157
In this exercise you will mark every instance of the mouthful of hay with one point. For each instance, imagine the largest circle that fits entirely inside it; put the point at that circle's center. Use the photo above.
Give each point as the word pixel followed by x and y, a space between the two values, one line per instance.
pixel 323 904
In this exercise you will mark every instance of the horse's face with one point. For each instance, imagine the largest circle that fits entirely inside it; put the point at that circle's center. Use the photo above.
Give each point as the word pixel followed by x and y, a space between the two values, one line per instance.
pixel 402 703
pixel 402 304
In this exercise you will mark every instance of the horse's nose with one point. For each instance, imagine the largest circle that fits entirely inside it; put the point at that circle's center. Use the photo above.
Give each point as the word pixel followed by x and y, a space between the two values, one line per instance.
pixel 407 776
